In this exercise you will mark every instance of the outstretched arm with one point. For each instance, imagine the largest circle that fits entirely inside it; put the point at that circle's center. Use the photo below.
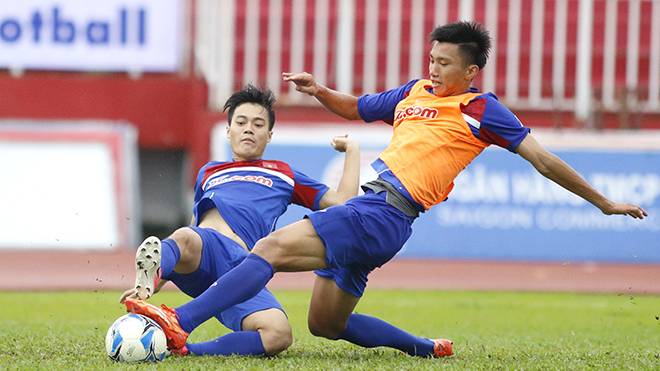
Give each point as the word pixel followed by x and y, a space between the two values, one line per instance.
pixel 350 179
pixel 340 104
pixel 553 168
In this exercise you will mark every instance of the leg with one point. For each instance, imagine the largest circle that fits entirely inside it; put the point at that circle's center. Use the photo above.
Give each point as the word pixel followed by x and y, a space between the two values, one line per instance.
pixel 294 248
pixel 217 257
pixel 329 309
pixel 260 328
pixel 190 247
pixel 331 316
pixel 266 332
pixel 274 328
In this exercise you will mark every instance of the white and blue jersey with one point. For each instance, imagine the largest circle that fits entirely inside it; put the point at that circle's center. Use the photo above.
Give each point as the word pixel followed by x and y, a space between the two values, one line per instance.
pixel 251 195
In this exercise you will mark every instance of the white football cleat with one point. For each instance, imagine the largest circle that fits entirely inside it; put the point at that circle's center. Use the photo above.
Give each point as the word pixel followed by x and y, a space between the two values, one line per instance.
pixel 147 267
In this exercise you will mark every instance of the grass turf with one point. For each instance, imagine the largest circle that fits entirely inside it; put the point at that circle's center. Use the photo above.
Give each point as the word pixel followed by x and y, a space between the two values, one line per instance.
pixel 491 331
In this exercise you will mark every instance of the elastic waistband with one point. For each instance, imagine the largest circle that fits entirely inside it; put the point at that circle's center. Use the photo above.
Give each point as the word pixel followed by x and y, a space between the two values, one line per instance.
pixel 393 197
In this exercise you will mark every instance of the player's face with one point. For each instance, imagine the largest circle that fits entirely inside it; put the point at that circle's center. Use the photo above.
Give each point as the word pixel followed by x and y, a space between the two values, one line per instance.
pixel 248 133
pixel 450 76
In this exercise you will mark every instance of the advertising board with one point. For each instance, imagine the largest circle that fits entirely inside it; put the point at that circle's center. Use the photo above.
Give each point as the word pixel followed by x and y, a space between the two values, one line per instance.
pixel 68 185
pixel 81 35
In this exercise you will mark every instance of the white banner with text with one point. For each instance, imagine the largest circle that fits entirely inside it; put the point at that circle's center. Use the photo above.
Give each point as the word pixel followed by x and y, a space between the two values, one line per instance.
pixel 82 35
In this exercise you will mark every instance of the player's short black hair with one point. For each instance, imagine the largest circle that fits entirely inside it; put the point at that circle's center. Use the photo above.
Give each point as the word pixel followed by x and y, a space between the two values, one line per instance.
pixel 472 38
pixel 252 94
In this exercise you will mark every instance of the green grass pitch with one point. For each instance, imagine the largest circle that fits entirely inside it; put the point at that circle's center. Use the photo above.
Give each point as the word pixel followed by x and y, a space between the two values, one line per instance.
pixel 491 331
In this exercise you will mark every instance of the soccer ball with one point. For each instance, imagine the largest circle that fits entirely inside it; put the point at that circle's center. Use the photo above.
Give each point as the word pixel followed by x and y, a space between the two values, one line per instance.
pixel 135 338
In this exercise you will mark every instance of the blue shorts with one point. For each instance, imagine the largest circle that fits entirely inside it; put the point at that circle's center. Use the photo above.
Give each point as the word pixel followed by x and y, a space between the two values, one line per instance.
pixel 219 255
pixel 359 236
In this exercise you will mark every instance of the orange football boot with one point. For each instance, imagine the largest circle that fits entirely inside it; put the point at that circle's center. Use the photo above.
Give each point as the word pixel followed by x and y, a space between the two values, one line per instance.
pixel 166 318
pixel 442 347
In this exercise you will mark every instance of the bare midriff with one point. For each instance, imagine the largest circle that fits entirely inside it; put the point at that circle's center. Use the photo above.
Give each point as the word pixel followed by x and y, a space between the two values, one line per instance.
pixel 212 219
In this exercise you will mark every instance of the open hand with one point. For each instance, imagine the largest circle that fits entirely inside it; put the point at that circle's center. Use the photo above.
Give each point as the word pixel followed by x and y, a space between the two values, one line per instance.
pixel 304 81
pixel 624 208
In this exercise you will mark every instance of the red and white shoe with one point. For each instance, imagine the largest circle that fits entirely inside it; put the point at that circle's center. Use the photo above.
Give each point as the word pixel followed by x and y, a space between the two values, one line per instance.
pixel 442 347
pixel 166 318
pixel 147 267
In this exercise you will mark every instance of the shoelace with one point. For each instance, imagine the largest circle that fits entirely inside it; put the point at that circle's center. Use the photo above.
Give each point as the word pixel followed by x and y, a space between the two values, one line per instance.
pixel 170 310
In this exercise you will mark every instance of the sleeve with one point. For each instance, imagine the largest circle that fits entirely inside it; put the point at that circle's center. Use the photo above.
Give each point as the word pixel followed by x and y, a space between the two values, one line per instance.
pixel 198 183
pixel 493 123
pixel 307 192
pixel 381 106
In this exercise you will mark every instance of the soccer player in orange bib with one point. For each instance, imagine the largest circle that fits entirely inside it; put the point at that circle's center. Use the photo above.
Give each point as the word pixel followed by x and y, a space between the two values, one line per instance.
pixel 439 126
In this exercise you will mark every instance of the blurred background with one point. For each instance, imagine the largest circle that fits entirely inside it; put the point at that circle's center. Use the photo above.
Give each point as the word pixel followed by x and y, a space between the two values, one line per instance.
pixel 108 109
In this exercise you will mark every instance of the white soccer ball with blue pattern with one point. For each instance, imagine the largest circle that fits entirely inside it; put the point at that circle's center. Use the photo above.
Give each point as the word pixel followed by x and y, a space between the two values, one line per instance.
pixel 135 338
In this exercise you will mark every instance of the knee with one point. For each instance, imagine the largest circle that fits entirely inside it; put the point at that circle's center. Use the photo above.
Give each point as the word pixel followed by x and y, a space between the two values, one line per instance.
pixel 277 339
pixel 189 243
pixel 269 248
pixel 325 328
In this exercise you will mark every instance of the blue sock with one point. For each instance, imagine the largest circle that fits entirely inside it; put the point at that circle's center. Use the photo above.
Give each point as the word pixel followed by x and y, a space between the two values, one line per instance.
pixel 371 332
pixel 241 342
pixel 238 285
pixel 169 257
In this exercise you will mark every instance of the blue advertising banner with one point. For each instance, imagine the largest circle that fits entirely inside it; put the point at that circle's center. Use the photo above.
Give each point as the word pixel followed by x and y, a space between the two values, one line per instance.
pixel 501 208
